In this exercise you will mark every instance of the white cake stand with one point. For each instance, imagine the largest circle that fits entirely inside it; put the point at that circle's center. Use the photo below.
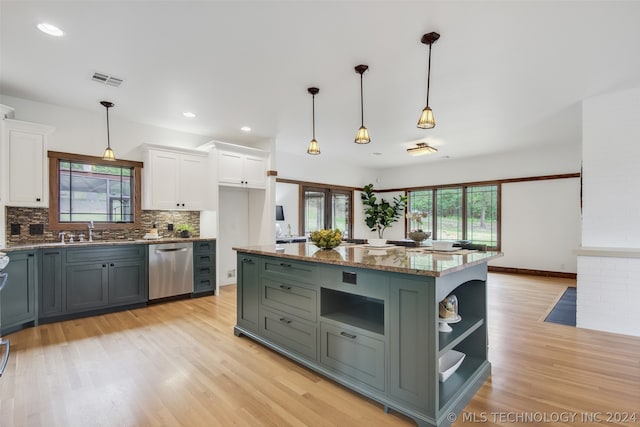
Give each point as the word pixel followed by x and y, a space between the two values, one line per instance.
pixel 444 323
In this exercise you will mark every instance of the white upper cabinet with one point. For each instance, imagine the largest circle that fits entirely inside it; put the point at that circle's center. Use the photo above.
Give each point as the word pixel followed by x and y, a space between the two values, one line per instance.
pixel 240 169
pixel 25 166
pixel 175 180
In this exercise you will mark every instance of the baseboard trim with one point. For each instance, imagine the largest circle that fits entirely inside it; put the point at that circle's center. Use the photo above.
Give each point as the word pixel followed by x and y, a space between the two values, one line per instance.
pixel 510 270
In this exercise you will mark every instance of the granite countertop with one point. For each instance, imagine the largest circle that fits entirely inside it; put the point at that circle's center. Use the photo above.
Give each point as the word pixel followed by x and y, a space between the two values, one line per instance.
pixel 104 243
pixel 421 261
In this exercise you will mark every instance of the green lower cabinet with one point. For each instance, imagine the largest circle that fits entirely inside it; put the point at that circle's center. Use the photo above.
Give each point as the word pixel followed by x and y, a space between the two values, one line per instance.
pixel 52 297
pixel 354 354
pixel 412 380
pixel 204 267
pixel 18 297
pixel 248 294
pixel 87 286
pixel 127 282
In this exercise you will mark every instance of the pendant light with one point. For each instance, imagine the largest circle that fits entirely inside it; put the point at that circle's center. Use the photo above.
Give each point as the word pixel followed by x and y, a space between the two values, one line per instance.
pixel 362 137
pixel 426 120
pixel 108 152
pixel 314 148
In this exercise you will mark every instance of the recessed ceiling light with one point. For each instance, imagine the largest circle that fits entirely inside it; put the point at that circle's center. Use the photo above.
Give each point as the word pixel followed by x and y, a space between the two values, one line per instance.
pixel 245 129
pixel 189 114
pixel 52 30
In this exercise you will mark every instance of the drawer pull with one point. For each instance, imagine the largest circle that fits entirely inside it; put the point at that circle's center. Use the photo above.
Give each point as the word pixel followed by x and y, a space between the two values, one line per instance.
pixel 247 260
pixel 344 334
pixel 285 320
pixel 282 264
pixel 286 288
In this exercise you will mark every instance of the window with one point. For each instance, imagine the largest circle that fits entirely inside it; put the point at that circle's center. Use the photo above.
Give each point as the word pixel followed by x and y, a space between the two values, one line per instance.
pixel 86 188
pixel 457 213
pixel 325 208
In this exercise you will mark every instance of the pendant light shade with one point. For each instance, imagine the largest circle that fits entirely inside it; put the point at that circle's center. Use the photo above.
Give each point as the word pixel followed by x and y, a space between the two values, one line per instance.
pixel 362 137
pixel 426 120
pixel 314 148
pixel 108 152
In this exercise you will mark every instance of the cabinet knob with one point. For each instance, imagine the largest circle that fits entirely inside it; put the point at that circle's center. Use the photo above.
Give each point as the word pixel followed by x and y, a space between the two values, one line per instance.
pixel 104 265
pixel 112 265
pixel 183 204
pixel 37 199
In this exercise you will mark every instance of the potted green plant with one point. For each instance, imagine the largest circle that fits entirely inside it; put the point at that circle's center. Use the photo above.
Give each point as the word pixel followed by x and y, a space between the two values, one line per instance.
pixel 185 230
pixel 380 214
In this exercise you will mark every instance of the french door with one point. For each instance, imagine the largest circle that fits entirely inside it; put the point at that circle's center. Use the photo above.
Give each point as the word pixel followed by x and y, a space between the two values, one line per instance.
pixel 327 208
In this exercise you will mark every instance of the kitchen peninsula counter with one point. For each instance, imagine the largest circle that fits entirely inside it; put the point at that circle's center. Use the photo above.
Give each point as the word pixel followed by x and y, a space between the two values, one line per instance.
pixel 367 317
pixel 410 260
pixel 115 242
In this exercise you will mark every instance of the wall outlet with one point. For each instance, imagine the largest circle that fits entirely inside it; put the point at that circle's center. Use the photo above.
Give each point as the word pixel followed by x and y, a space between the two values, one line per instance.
pixel 231 273
pixel 36 229
pixel 15 229
pixel 170 227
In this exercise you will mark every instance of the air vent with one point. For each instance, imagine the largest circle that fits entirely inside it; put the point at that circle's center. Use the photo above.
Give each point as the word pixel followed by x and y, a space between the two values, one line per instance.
pixel 107 79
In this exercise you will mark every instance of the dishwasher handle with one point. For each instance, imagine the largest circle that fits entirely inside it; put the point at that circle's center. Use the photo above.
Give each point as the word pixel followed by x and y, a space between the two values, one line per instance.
pixel 171 250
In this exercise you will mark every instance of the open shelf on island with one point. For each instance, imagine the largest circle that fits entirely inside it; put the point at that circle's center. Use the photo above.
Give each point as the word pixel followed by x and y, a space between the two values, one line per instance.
pixel 461 330
pixel 456 382
pixel 352 309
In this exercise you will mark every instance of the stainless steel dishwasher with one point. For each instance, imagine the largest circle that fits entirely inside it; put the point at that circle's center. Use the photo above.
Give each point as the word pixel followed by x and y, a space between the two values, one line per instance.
pixel 170 270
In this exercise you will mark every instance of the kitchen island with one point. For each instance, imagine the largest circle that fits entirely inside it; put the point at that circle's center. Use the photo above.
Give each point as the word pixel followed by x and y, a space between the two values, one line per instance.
pixel 367 317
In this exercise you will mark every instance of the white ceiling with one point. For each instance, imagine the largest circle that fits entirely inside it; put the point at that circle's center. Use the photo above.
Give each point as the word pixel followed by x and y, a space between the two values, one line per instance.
pixel 505 75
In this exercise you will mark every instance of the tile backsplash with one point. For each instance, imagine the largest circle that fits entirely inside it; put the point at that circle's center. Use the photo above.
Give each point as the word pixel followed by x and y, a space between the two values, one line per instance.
pixel 30 216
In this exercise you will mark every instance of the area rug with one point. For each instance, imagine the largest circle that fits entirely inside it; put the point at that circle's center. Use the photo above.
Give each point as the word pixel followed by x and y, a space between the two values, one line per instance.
pixel 564 312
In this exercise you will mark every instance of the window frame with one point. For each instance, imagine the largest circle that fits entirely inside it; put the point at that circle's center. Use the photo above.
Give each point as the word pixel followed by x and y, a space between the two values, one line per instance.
pixel 464 187
pixel 56 157
pixel 328 190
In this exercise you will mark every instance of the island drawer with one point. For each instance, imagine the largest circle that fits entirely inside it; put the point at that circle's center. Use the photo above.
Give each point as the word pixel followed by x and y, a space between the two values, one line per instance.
pixel 294 334
pixel 352 353
pixel 284 267
pixel 290 298
pixel 369 283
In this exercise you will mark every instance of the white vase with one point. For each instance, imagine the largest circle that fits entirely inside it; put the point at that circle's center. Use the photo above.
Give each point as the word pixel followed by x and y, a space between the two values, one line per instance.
pixel 377 242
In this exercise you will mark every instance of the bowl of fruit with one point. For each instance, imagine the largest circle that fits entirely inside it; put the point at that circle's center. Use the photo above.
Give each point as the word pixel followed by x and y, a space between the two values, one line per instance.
pixel 326 239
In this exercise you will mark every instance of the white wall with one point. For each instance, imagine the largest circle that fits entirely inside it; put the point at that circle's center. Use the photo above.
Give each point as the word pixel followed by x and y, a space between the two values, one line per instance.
pixel 608 291
pixel 611 153
pixel 548 160
pixel 233 232
pixel 540 225
pixel 85 131
pixel 287 195
pixel 303 167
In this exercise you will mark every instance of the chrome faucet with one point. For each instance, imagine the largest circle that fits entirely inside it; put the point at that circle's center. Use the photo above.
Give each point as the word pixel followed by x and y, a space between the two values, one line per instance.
pixel 61 236
pixel 91 231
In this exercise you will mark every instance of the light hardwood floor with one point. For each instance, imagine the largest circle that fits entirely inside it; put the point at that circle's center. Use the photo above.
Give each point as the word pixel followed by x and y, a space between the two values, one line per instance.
pixel 179 364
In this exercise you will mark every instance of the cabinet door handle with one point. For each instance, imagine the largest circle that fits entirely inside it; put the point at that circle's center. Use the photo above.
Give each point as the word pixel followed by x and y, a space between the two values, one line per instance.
pixel 31 255
pixel 285 320
pixel 286 288
pixel 344 334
